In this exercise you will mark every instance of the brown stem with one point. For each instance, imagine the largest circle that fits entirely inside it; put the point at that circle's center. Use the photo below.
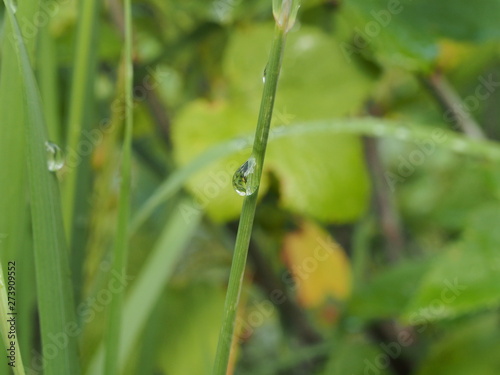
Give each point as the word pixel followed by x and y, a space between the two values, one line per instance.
pixel 453 106
pixel 385 205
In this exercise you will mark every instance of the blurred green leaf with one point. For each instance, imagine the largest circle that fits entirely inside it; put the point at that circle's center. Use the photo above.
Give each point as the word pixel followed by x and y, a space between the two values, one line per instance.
pixel 192 326
pixel 465 277
pixel 407 32
pixel 468 349
pixel 356 356
pixel 321 176
pixel 387 293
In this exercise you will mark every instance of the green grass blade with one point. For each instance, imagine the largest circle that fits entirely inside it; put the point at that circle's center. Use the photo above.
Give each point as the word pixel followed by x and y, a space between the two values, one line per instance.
pixel 151 281
pixel 47 75
pixel 55 301
pixel 372 127
pixel 15 238
pixel 121 243
pixel 283 16
pixel 80 103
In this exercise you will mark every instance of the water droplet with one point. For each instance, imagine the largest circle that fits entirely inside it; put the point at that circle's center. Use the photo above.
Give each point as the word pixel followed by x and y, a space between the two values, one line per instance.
pixel 264 75
pixel 13 6
pixel 55 157
pixel 245 179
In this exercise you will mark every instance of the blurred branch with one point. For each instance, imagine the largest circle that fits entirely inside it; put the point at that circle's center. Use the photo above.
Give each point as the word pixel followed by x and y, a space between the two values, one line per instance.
pixel 155 105
pixel 384 201
pixel 451 103
pixel 387 332
pixel 291 314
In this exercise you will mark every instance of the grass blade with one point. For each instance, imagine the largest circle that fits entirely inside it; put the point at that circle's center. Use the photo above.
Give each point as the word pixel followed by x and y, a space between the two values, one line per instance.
pixel 83 80
pixel 149 284
pixel 285 13
pixel 55 300
pixel 372 127
pixel 121 243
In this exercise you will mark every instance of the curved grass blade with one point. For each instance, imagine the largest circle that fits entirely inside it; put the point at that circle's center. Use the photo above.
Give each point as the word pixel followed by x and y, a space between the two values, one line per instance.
pixel 78 120
pixel 55 300
pixel 120 249
pixel 371 127
pixel 150 282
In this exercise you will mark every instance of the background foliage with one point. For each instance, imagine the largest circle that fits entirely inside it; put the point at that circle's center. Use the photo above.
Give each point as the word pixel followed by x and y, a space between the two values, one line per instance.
pixel 375 246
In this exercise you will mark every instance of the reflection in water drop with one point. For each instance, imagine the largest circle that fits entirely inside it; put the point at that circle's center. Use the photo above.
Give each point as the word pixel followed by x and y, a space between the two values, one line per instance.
pixel 245 178
pixel 55 158
pixel 264 75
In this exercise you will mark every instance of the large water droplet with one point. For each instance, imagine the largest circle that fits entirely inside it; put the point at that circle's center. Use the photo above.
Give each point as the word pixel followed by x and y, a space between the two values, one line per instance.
pixel 55 157
pixel 245 179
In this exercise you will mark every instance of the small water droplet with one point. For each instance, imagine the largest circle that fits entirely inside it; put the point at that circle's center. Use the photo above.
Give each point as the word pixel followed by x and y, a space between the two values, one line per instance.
pixel 245 180
pixel 55 157
pixel 13 6
pixel 264 75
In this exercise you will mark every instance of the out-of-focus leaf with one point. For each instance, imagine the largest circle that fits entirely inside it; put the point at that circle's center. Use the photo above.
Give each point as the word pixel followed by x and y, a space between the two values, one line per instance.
pixel 319 266
pixel 321 176
pixel 469 349
pixel 356 356
pixel 407 33
pixel 192 326
pixel 312 64
pixel 203 124
pixel 387 294
pixel 465 277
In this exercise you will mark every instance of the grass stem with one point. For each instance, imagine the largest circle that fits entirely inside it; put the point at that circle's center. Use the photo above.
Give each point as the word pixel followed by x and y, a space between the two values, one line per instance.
pixel 115 313
pixel 250 201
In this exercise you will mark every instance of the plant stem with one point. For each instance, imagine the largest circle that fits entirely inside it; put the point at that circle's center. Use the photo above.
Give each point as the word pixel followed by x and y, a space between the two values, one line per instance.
pixel 454 107
pixel 54 294
pixel 249 204
pixel 83 78
pixel 120 247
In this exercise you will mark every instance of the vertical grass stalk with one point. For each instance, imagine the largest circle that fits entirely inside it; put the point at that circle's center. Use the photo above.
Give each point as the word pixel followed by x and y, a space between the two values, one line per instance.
pixel 55 299
pixel 285 12
pixel 121 243
pixel 83 80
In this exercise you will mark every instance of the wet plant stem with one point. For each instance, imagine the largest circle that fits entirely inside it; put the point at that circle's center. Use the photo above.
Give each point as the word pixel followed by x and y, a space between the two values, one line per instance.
pixel 249 204
pixel 115 313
